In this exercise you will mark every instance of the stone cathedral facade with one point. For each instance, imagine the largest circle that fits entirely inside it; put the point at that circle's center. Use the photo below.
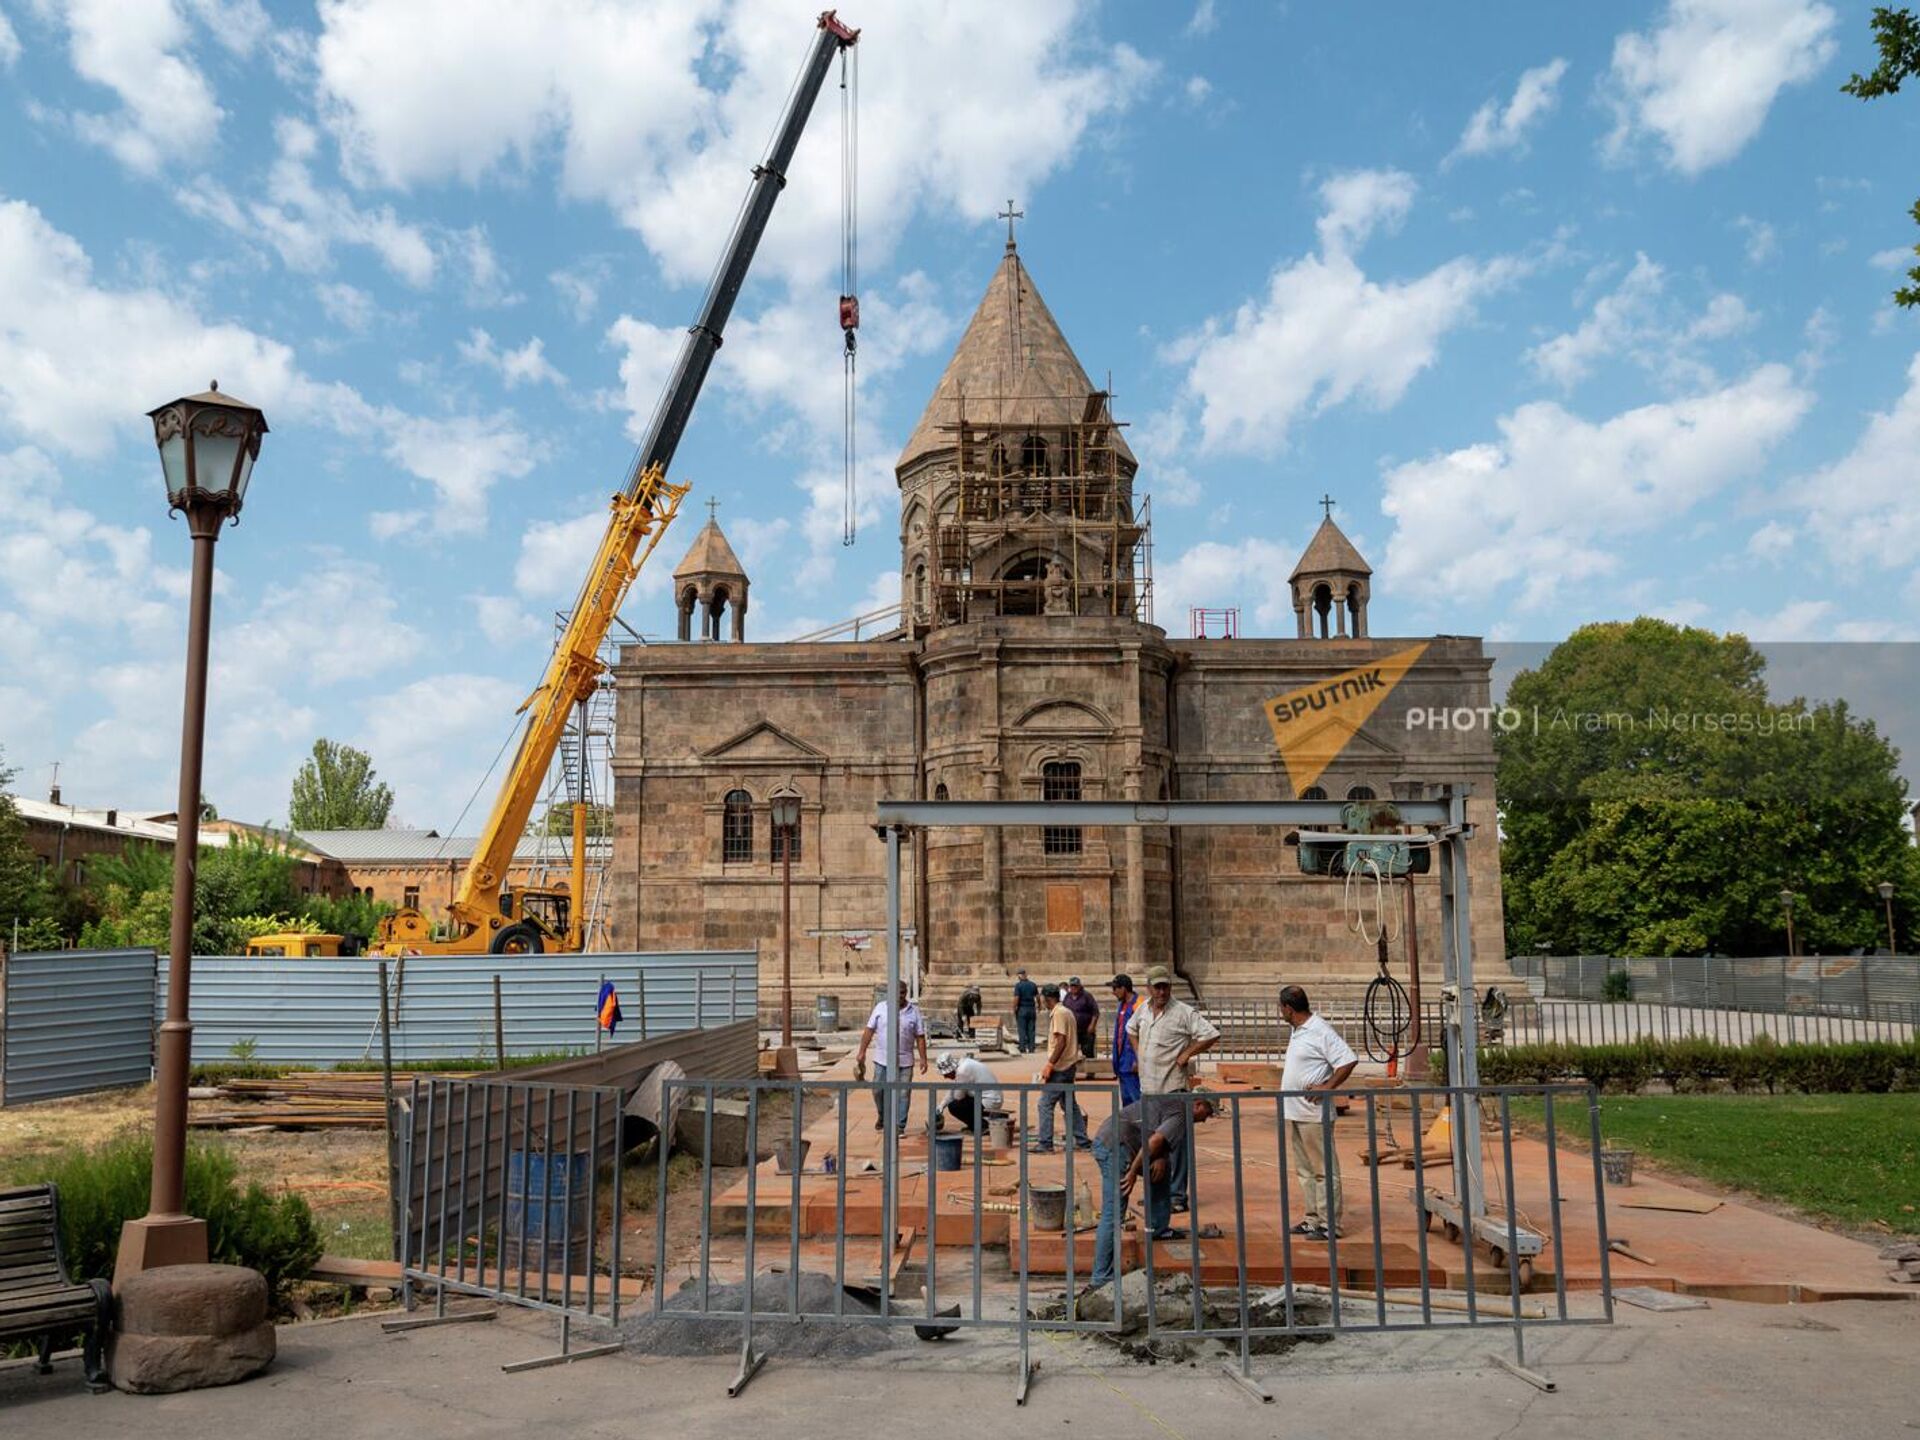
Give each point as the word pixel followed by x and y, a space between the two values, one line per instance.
pixel 1022 666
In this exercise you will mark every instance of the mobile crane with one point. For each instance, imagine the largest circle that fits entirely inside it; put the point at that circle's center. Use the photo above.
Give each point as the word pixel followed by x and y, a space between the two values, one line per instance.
pixel 485 914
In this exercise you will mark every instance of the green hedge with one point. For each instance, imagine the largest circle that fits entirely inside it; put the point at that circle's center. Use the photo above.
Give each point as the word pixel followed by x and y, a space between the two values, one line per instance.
pixel 1865 1068
pixel 102 1189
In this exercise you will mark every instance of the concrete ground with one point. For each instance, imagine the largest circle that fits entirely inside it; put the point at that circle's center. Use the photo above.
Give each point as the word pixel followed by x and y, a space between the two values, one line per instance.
pixel 1730 1371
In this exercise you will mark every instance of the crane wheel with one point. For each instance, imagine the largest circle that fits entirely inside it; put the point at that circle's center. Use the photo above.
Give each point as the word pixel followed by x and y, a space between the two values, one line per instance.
pixel 521 939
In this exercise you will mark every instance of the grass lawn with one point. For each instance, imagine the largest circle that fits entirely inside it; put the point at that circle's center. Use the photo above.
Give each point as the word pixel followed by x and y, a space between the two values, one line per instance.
pixel 1854 1159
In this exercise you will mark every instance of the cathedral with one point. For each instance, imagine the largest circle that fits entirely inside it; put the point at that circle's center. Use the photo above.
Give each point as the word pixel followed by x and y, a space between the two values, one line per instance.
pixel 1024 664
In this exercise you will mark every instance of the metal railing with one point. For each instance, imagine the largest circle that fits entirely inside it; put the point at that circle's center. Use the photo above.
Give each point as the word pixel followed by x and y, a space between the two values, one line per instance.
pixel 501 1189
pixel 1252 1030
pixel 1250 1276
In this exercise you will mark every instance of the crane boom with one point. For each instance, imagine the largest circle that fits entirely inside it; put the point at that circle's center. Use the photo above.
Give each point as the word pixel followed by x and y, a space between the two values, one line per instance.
pixel 639 517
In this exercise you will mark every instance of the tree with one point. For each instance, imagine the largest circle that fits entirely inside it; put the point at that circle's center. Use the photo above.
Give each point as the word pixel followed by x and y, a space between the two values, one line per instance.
pixel 25 895
pixel 558 821
pixel 335 790
pixel 1897 33
pixel 1655 800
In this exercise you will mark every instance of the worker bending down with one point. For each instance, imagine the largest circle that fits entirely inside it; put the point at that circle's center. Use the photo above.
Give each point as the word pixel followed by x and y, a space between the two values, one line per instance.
pixel 1127 1146
pixel 975 1092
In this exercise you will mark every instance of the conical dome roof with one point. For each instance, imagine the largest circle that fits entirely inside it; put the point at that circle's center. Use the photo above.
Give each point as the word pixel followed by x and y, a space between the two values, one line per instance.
pixel 1330 553
pixel 1013 366
pixel 710 555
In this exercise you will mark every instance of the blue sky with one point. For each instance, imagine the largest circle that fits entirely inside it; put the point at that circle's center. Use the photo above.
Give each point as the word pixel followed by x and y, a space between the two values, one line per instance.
pixel 1579 312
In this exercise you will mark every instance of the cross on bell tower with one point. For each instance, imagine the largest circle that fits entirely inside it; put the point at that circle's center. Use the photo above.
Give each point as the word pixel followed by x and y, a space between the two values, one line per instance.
pixel 1010 215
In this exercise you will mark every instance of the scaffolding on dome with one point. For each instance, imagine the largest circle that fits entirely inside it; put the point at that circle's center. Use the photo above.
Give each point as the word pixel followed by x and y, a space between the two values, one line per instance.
pixel 1032 494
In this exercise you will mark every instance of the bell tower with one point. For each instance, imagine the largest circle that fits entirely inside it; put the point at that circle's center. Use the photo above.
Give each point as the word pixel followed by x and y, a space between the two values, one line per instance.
pixel 709 581
pixel 1331 585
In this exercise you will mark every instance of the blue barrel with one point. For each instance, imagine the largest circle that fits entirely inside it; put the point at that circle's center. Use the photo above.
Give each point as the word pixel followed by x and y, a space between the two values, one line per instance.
pixel 557 1222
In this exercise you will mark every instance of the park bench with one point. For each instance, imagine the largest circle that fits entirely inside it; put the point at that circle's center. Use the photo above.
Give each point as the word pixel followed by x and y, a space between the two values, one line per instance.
pixel 37 1300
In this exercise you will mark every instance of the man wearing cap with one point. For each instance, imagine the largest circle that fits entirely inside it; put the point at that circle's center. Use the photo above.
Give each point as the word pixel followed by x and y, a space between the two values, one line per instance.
pixel 1126 1060
pixel 1126 1147
pixel 1026 1002
pixel 1167 1035
pixel 1063 1056
pixel 975 1090
pixel 1086 1014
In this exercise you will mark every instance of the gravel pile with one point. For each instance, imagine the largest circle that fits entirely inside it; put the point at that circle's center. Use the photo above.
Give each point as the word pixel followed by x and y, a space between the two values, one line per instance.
pixel 681 1334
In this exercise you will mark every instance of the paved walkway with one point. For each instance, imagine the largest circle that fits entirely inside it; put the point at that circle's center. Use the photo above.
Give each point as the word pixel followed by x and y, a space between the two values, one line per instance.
pixel 1728 1373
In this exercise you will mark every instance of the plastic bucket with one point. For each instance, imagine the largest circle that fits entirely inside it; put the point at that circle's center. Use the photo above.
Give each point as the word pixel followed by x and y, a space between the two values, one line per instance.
pixel 546 1223
pixel 1000 1131
pixel 1617 1166
pixel 1048 1204
pixel 946 1152
pixel 826 1012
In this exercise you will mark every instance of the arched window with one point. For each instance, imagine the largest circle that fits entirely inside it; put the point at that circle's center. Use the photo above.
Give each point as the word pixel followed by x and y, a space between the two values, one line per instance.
pixel 920 586
pixel 1313 792
pixel 1360 792
pixel 1060 780
pixel 736 828
pixel 1033 455
pixel 940 792
pixel 1024 583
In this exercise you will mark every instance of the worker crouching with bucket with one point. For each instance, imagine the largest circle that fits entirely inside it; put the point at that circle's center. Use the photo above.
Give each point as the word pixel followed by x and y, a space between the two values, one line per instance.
pixel 1134 1141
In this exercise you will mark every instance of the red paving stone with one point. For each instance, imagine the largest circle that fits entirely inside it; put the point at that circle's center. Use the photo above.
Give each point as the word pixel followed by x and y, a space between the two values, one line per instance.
pixel 1735 1251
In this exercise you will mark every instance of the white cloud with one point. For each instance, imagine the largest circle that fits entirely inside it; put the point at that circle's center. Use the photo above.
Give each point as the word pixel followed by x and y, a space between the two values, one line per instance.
pixel 648 353
pixel 349 308
pixel 1771 542
pixel 1204 20
pixel 462 457
pixel 238 25
pixel 1637 319
pixel 1324 333
pixel 1699 85
pixel 1548 502
pixel 487 283
pixel 1762 243
pixel 505 621
pixel 973 103
pixel 579 287
pixel 1197 89
pixel 9 42
pixel 78 361
pixel 425 738
pixel 526 366
pixel 1898 258
pixel 303 221
pixel 1865 507
pixel 1249 575
pixel 1495 128
pixel 136 48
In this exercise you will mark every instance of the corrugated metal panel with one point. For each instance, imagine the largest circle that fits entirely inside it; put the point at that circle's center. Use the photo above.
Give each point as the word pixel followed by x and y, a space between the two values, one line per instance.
pixel 72 1021
pixel 323 1011
pixel 1850 984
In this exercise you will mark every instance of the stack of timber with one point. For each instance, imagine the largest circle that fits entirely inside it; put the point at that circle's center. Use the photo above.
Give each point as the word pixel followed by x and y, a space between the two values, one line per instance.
pixel 317 1100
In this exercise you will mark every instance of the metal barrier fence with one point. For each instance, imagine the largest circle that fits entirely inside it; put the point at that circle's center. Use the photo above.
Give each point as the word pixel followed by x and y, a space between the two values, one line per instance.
pixel 73 1021
pixel 502 1188
pixel 1251 1029
pixel 1759 982
pixel 1254 1275
pixel 317 1010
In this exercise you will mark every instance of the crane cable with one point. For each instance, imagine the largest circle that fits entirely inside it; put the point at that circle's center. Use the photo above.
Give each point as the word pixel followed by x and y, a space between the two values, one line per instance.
pixel 849 270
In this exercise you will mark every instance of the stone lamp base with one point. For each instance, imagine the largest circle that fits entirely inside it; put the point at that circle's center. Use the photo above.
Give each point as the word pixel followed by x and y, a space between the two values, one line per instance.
pixel 185 1327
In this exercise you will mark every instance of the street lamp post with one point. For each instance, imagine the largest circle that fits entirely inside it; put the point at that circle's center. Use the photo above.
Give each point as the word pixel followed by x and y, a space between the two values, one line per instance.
pixel 208 444
pixel 1886 898
pixel 786 824
pixel 1786 904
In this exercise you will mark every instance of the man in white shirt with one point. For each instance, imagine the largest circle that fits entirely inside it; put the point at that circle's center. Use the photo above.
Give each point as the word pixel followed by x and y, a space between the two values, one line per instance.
pixel 913 1039
pixel 976 1089
pixel 1318 1061
pixel 1168 1035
